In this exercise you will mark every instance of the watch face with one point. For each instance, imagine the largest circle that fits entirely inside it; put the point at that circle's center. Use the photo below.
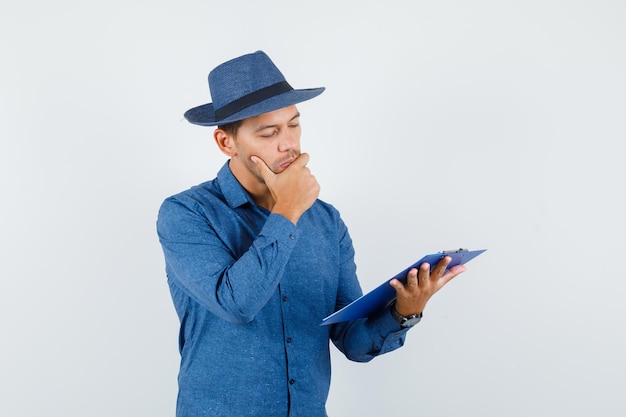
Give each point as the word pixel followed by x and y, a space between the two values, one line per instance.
pixel 411 320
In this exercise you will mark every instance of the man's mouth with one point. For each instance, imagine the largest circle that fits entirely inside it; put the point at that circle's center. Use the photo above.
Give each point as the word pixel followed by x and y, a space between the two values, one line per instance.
pixel 285 164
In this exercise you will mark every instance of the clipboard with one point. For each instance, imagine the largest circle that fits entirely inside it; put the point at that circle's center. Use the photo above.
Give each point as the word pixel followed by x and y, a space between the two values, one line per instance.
pixel 381 296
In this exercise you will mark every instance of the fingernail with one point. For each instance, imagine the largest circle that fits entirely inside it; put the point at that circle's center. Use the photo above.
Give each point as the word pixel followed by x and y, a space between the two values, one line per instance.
pixel 253 159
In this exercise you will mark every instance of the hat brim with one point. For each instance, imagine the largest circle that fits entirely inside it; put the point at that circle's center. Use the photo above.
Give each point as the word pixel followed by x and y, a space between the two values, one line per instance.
pixel 204 115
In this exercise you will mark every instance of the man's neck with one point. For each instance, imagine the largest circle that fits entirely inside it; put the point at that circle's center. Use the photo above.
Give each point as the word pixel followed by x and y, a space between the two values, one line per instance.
pixel 257 189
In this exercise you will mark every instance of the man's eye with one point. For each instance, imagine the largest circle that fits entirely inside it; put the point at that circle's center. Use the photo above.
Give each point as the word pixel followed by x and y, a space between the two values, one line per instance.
pixel 270 134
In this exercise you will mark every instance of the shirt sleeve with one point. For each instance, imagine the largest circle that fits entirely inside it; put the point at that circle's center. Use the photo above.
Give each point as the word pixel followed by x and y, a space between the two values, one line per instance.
pixel 199 262
pixel 363 339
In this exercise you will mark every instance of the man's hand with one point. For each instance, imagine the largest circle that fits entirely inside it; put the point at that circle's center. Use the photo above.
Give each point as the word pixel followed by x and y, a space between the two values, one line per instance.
pixel 294 190
pixel 411 298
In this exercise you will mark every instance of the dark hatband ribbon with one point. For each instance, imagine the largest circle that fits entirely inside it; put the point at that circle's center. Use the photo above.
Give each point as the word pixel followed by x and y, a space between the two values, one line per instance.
pixel 252 98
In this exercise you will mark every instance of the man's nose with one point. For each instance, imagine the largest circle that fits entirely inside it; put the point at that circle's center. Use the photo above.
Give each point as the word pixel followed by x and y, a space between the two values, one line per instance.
pixel 288 141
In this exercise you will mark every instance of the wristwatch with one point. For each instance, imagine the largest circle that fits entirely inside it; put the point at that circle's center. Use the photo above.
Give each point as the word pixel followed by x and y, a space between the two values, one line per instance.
pixel 405 321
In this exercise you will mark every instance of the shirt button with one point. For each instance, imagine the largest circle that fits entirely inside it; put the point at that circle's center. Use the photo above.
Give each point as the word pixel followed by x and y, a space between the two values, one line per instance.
pixel 284 298
pixel 292 381
pixel 289 340
pixel 292 237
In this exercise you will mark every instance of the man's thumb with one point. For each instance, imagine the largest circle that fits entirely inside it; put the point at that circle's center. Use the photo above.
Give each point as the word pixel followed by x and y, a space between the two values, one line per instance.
pixel 263 168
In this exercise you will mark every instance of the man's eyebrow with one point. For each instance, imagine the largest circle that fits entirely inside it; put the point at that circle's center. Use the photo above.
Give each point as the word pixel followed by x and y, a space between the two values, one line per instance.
pixel 262 127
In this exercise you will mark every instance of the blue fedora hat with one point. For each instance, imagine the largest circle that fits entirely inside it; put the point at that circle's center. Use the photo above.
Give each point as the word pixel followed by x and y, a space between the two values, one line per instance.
pixel 245 87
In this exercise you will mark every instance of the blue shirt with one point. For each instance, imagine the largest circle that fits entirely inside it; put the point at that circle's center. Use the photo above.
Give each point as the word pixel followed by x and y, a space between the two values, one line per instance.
pixel 250 289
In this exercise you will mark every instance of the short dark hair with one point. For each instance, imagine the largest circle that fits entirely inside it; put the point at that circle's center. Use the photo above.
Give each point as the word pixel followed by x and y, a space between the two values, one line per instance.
pixel 231 127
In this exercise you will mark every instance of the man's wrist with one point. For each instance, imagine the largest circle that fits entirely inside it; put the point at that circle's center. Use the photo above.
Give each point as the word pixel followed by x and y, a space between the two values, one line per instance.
pixel 405 321
pixel 288 212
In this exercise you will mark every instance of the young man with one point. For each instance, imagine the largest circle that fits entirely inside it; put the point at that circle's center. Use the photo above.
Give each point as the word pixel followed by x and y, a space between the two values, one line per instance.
pixel 255 261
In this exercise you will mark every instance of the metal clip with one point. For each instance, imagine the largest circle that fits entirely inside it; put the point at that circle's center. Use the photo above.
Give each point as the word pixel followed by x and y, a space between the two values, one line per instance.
pixel 446 252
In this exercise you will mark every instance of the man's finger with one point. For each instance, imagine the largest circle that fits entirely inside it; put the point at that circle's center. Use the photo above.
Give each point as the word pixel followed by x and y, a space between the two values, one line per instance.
pixel 411 279
pixel 424 273
pixel 441 266
pixel 397 285
pixel 453 272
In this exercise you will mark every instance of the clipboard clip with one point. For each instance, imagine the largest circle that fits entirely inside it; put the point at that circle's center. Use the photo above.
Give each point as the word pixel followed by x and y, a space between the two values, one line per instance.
pixel 447 252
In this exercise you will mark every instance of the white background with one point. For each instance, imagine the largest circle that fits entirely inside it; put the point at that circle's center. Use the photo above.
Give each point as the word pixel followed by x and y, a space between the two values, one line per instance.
pixel 486 124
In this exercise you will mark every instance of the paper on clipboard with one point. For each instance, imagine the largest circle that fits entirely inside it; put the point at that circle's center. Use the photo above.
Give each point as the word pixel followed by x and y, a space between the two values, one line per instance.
pixel 380 297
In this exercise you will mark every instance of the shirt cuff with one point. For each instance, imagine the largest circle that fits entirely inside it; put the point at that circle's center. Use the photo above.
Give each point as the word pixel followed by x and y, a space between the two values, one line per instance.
pixel 279 228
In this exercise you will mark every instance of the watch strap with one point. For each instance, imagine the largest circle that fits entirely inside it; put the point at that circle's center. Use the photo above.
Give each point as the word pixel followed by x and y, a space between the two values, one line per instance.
pixel 405 321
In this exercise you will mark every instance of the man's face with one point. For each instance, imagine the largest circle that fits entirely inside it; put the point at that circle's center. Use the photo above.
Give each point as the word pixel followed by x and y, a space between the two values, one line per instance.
pixel 274 137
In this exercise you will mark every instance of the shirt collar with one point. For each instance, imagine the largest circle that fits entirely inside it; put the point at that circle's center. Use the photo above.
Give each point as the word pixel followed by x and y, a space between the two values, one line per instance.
pixel 233 191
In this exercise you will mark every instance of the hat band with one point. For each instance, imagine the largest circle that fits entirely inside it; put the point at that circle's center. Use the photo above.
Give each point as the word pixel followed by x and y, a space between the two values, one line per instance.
pixel 252 98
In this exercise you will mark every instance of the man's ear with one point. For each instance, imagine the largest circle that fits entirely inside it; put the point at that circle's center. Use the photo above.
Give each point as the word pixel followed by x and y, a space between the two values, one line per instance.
pixel 225 142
